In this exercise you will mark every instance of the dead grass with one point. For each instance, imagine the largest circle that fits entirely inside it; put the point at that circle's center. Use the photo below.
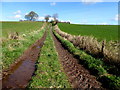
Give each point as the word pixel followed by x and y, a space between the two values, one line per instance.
pixel 108 51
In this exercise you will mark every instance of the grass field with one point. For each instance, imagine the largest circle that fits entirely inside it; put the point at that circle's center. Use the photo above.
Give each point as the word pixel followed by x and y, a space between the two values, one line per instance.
pixel 20 27
pixel 108 32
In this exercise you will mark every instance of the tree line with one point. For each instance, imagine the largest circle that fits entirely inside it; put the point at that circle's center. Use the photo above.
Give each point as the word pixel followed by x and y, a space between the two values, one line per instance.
pixel 33 16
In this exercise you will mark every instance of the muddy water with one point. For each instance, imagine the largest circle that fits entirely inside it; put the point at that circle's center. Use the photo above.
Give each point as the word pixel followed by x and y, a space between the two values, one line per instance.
pixel 21 72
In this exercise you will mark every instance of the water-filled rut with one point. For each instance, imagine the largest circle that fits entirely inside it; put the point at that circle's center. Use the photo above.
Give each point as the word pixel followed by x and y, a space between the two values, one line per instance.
pixel 22 70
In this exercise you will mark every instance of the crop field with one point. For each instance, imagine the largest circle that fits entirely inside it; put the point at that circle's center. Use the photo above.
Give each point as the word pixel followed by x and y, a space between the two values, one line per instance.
pixel 101 32
pixel 44 56
pixel 20 27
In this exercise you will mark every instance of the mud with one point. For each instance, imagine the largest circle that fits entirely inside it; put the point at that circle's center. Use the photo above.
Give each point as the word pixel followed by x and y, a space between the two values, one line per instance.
pixel 20 73
pixel 78 76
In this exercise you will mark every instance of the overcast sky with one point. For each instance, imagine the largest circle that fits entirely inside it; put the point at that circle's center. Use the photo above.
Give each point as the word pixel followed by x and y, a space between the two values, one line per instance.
pixel 97 12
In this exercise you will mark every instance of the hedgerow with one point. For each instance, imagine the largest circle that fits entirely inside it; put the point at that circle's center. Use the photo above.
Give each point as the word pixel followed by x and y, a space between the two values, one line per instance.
pixel 93 64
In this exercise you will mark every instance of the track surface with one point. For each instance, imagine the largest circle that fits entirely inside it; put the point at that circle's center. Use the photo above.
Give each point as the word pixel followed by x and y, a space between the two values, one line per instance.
pixel 21 72
pixel 78 76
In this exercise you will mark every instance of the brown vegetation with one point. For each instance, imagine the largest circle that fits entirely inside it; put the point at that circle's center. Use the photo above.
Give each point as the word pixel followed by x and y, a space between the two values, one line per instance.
pixel 108 51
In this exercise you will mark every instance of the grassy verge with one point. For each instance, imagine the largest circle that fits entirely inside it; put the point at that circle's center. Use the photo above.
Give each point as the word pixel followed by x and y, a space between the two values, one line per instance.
pixel 49 72
pixel 95 65
pixel 13 48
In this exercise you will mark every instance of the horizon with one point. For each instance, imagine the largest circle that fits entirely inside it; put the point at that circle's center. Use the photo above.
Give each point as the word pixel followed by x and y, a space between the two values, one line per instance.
pixel 59 22
pixel 100 13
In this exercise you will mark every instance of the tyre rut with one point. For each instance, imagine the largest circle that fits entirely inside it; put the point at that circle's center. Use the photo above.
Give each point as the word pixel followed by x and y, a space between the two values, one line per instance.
pixel 78 76
pixel 22 70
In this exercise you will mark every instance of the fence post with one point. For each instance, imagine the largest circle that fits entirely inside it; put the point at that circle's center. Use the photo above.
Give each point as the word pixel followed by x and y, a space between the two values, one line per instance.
pixel 103 44
pixel 102 49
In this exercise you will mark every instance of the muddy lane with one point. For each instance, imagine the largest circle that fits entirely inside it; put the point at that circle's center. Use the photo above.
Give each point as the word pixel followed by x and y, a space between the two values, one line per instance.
pixel 78 76
pixel 21 72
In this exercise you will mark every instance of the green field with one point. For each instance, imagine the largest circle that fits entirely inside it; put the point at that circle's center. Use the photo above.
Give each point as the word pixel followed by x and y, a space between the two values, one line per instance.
pixel 20 27
pixel 108 32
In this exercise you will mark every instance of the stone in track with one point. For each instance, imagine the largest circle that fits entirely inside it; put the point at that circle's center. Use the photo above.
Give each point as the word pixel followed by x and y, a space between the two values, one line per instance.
pixel 21 72
pixel 78 76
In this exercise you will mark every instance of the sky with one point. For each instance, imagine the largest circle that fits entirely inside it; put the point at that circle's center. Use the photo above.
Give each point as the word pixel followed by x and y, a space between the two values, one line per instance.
pixel 75 12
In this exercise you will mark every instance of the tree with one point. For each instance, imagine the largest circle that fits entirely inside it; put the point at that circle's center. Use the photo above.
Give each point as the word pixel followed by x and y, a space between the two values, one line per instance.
pixel 31 16
pixel 47 17
pixel 55 17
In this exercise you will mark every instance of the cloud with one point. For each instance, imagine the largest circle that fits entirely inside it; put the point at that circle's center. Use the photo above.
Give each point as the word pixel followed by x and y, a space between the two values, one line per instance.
pixel 104 23
pixel 117 17
pixel 51 18
pixel 52 3
pixel 17 12
pixel 62 21
pixel 91 1
pixel 14 17
pixel 26 13
pixel 69 21
pixel 41 18
pixel 17 16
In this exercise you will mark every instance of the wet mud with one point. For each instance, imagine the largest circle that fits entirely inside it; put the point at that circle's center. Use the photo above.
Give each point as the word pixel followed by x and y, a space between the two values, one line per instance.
pixel 78 76
pixel 20 73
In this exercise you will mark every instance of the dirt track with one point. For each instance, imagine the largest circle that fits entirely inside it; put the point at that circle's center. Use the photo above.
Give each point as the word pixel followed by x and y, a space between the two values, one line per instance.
pixel 78 76
pixel 21 72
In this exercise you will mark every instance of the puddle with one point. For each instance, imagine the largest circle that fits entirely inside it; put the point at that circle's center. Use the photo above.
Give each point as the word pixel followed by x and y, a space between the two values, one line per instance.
pixel 21 75
pixel 22 71
pixel 38 47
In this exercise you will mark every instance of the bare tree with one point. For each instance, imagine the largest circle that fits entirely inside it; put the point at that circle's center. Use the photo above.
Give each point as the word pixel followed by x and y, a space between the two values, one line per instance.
pixel 55 16
pixel 47 17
